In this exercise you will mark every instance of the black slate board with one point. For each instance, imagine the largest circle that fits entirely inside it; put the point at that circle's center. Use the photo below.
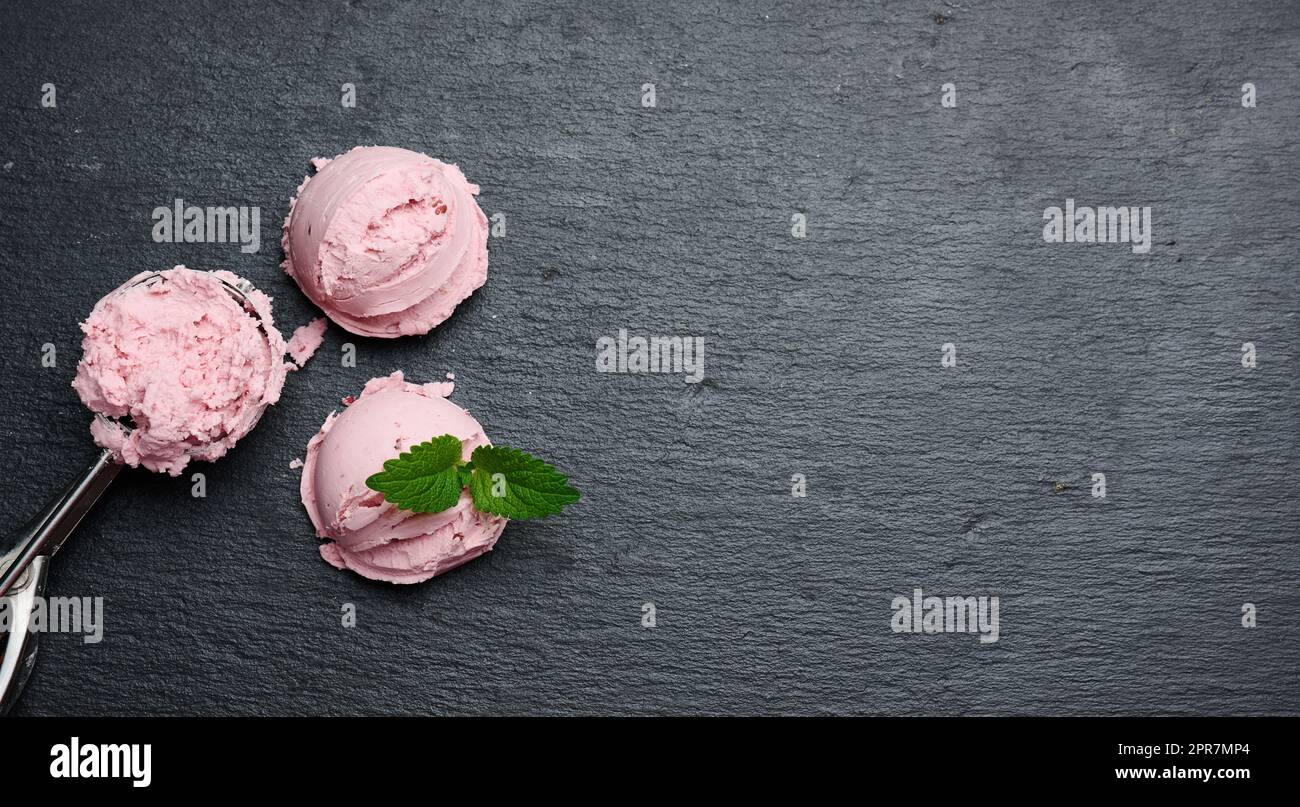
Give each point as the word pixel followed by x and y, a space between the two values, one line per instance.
pixel 822 353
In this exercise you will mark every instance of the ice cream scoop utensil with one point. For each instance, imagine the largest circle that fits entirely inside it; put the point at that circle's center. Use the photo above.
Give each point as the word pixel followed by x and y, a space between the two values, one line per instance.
pixel 25 556
pixel 24 564
pixel 18 644
pixel 45 533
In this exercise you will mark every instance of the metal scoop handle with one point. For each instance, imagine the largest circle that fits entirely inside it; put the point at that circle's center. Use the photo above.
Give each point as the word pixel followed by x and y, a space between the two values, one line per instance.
pixel 24 564
pixel 45 533
pixel 18 647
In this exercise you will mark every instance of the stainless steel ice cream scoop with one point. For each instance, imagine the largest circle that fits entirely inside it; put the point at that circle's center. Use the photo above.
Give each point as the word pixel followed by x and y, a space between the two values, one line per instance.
pixel 25 556
pixel 25 559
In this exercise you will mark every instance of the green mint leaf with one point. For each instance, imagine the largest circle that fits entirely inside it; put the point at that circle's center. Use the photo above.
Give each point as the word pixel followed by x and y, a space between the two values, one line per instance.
pixel 426 479
pixel 502 481
pixel 526 488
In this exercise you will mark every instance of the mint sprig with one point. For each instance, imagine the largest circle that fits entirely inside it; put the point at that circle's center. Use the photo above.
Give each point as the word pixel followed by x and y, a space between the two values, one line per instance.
pixel 502 481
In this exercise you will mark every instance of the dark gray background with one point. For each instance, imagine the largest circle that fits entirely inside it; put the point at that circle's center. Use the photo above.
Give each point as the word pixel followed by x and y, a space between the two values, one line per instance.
pixel 822 354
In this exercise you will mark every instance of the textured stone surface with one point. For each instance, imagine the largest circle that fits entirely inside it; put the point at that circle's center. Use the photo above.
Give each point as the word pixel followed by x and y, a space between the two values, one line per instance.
pixel 822 354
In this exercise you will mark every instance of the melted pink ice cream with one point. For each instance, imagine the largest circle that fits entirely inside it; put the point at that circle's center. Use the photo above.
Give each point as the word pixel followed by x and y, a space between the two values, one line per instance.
pixel 184 361
pixel 369 535
pixel 386 241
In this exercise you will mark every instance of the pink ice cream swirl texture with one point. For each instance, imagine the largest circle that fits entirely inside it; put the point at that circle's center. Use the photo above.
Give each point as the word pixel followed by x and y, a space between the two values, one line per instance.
pixel 367 534
pixel 189 367
pixel 386 241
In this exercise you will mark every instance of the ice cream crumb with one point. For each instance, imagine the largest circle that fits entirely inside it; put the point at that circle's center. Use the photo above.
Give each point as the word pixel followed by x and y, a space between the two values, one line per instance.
pixel 451 376
pixel 349 400
pixel 295 463
pixel 305 341
pixel 439 389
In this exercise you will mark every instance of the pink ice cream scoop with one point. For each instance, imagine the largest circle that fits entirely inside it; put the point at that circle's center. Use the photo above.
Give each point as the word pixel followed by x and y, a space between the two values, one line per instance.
pixel 386 241
pixel 186 361
pixel 177 365
pixel 369 535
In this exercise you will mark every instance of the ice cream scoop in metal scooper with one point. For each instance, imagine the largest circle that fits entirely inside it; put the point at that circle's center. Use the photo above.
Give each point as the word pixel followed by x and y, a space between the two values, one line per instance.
pixel 25 556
